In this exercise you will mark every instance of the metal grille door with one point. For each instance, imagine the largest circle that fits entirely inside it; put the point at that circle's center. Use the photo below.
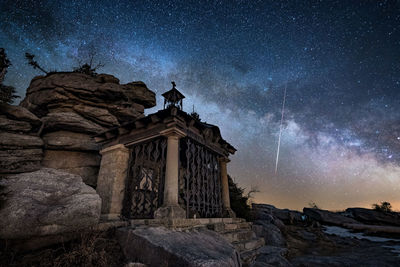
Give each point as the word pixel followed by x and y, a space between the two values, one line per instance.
pixel 200 180
pixel 145 182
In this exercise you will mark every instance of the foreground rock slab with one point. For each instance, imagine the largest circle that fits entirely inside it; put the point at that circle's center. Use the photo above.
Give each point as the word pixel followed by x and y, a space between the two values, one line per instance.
pixel 47 202
pixel 159 246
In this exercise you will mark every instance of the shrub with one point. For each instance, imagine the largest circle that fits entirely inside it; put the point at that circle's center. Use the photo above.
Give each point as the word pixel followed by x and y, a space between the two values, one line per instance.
pixel 7 93
pixel 313 205
pixel 239 201
pixel 91 249
pixel 383 207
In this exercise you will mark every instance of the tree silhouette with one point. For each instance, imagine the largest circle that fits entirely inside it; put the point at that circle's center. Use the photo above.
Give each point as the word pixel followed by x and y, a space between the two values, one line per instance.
pixel 88 67
pixel 7 93
pixel 383 207
pixel 33 63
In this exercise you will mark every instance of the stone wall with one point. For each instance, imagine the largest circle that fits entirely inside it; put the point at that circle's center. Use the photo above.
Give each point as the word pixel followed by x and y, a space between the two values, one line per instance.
pixel 73 108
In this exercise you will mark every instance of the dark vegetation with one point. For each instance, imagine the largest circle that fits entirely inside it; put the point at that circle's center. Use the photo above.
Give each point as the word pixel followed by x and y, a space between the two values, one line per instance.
pixel 383 207
pixel 240 200
pixel 313 205
pixel 33 63
pixel 7 93
pixel 87 67
pixel 90 249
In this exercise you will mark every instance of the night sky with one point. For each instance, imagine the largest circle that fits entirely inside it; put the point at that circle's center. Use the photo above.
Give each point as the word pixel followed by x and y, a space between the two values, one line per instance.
pixel 340 61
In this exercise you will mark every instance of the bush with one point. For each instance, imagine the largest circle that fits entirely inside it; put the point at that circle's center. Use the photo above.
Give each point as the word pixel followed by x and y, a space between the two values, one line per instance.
pixel 7 93
pixel 239 201
pixel 383 207
pixel 313 205
pixel 91 249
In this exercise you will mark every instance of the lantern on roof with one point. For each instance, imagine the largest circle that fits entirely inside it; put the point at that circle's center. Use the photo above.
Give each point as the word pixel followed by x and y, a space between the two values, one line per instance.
pixel 173 98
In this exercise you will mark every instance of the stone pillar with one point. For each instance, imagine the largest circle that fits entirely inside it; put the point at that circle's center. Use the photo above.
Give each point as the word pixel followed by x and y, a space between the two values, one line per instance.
pixel 171 208
pixel 228 212
pixel 111 180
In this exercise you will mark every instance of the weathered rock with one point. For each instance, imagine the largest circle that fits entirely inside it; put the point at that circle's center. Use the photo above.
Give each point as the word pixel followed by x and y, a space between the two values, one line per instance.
pixel 14 125
pixel 64 140
pixel 19 141
pixel 19 113
pixel 78 88
pixel 84 164
pixel 327 217
pixel 39 102
pixel 288 216
pixel 272 256
pixel 98 115
pixel 263 212
pixel 369 216
pixel 20 160
pixel 106 78
pixel 71 122
pixel 158 246
pixel 271 234
pixel 139 93
pixel 47 202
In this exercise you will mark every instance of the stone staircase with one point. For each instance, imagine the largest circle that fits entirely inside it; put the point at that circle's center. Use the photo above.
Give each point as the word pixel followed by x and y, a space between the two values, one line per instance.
pixel 239 233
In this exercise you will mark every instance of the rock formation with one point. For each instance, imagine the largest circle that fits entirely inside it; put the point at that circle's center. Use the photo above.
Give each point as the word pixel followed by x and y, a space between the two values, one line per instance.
pixel 47 202
pixel 74 107
pixel 374 217
pixel 20 147
pixel 328 217
pixel 159 246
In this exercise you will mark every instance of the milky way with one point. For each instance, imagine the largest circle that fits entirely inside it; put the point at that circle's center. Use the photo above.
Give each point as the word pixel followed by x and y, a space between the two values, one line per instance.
pixel 340 59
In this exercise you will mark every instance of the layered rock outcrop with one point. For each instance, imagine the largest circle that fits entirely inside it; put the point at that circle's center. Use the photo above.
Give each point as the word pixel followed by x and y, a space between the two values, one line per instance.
pixel 74 107
pixel 21 150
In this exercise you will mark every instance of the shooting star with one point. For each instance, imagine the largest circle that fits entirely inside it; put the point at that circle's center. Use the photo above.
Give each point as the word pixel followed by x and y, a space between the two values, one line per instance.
pixel 280 130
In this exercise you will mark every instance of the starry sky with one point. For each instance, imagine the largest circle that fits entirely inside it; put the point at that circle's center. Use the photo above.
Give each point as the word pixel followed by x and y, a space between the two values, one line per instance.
pixel 340 62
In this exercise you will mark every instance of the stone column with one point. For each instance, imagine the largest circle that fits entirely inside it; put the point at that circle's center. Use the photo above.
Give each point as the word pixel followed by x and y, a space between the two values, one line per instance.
pixel 111 180
pixel 228 212
pixel 171 208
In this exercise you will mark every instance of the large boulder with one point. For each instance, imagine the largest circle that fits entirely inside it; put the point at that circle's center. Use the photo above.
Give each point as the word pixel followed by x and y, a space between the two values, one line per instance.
pixel 159 246
pixel 369 216
pixel 327 217
pixel 47 202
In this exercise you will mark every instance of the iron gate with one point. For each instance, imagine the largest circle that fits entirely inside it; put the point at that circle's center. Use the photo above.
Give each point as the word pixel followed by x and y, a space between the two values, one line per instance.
pixel 145 180
pixel 200 185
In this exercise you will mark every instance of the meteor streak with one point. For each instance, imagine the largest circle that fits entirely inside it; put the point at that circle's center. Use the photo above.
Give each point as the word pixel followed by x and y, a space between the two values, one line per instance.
pixel 280 131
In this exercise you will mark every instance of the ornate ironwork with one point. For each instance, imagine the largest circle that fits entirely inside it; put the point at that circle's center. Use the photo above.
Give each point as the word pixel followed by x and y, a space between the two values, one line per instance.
pixel 145 182
pixel 200 185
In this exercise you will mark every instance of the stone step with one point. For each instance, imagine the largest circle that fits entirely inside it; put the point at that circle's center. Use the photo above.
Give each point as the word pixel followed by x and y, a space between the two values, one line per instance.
pixel 238 235
pixel 247 245
pixel 234 226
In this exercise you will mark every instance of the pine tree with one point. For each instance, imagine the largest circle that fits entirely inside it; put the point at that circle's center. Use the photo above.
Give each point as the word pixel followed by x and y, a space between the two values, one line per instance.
pixel 7 93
